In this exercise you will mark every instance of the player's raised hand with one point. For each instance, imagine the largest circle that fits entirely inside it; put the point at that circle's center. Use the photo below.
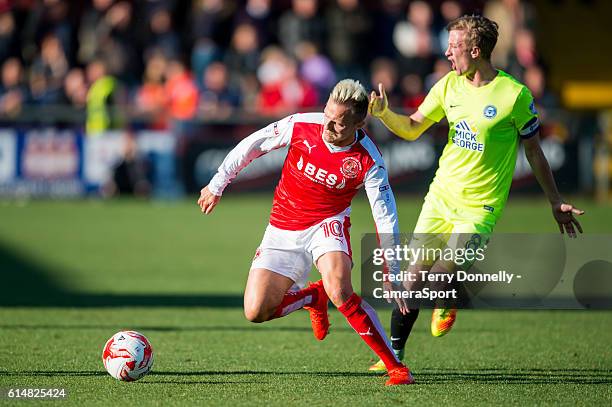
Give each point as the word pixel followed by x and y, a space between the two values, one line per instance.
pixel 564 215
pixel 378 103
pixel 208 200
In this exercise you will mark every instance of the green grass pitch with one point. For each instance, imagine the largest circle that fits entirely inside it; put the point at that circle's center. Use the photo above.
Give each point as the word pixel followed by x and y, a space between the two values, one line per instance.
pixel 73 273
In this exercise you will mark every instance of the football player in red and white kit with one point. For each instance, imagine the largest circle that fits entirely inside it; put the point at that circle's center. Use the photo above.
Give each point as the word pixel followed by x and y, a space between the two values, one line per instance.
pixel 330 157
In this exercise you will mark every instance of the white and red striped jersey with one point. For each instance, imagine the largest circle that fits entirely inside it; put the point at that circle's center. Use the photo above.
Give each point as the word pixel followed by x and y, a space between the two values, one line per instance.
pixel 318 179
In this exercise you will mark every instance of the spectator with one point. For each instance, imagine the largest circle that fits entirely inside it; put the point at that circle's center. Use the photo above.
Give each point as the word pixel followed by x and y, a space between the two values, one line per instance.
pixel 242 58
pixel 8 38
pixel 203 53
pixel 48 72
pixel 299 24
pixel 53 19
pixel 212 19
pixel 385 20
pixel 130 176
pixel 12 90
pixel 104 100
pixel 510 15
pixel 151 99
pixel 348 39
pixel 116 46
pixel 181 91
pixel 407 33
pixel 210 26
pixel 218 98
pixel 282 91
pixel 316 68
pixel 75 89
pixel 258 14
pixel 92 27
pixel 415 40
pixel 162 36
pixel 525 54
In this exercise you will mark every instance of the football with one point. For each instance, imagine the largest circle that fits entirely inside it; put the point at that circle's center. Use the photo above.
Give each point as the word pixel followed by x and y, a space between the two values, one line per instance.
pixel 128 356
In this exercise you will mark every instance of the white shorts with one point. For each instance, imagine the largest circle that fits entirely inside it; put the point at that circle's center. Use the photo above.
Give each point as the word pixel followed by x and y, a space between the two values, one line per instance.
pixel 292 253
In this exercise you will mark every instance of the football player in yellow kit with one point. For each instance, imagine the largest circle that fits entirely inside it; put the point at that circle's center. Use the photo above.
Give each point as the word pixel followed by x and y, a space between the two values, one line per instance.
pixel 488 113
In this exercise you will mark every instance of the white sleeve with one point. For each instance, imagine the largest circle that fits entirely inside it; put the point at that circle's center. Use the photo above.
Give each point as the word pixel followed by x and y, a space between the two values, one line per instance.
pixel 381 199
pixel 271 137
pixel 384 210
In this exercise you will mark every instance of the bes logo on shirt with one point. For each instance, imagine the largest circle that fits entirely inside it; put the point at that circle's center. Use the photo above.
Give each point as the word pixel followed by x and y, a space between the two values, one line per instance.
pixel 318 175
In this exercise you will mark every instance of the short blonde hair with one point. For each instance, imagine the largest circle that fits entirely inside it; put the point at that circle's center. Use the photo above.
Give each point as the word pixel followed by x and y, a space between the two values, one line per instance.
pixel 480 32
pixel 351 93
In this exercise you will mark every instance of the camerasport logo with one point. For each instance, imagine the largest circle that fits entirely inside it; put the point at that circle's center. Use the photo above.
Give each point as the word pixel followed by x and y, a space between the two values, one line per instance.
pixel 350 168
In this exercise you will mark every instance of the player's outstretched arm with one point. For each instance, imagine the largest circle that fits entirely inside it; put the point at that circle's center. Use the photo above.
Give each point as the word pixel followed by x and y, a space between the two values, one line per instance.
pixel 271 137
pixel 562 212
pixel 208 200
pixel 407 127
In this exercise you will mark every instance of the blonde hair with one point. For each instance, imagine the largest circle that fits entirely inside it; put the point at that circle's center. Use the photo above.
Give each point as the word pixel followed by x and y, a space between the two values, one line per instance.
pixel 480 32
pixel 351 93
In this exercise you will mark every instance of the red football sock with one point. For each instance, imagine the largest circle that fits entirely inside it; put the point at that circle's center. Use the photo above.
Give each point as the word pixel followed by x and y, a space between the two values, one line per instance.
pixel 362 317
pixel 295 300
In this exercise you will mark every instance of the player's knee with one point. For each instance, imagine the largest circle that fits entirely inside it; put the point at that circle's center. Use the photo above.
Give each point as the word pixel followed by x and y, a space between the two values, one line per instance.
pixel 256 313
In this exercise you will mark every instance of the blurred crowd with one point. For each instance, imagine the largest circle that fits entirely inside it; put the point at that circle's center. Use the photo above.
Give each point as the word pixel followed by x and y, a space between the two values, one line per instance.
pixel 171 61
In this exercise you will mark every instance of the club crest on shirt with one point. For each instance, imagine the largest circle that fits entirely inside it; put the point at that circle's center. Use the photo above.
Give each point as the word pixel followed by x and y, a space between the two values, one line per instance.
pixel 490 111
pixel 350 167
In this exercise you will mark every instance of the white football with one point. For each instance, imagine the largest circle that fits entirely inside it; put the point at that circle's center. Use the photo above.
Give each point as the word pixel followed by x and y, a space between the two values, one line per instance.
pixel 128 356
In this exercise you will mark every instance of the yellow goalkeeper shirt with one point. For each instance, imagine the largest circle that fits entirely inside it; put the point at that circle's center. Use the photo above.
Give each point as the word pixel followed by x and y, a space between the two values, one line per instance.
pixel 485 123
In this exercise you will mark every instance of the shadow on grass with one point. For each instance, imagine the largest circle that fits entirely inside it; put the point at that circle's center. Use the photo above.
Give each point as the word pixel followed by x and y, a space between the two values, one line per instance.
pixel 424 377
pixel 50 373
pixel 200 382
pixel 516 376
pixel 27 283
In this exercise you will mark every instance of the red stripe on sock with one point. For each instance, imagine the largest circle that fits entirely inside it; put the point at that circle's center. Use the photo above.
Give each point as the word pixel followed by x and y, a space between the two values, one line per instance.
pixel 361 322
